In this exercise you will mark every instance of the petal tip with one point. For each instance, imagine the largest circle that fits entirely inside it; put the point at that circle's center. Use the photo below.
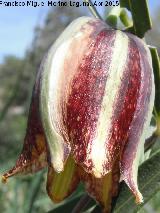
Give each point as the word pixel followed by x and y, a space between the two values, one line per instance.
pixel 9 174
pixel 139 198
pixel 132 184
pixel 4 179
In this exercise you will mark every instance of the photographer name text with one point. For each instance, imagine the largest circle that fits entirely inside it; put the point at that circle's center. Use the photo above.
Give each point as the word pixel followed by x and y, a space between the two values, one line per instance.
pixel 57 3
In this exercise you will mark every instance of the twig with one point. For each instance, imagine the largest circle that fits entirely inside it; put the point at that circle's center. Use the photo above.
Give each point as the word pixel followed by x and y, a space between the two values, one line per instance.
pixel 93 9
pixel 83 202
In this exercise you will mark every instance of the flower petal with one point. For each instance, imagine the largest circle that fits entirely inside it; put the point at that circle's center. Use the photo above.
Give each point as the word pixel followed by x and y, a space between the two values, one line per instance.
pixel 102 189
pixel 134 148
pixel 59 68
pixel 33 156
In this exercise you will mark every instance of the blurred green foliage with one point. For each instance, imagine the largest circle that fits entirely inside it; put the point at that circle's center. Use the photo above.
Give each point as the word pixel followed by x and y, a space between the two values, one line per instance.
pixel 28 194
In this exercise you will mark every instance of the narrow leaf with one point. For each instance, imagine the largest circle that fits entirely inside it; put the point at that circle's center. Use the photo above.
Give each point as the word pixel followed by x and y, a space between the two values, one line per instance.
pixel 125 3
pixel 140 14
pixel 69 203
pixel 93 9
pixel 97 209
pixel 67 206
pixel 149 184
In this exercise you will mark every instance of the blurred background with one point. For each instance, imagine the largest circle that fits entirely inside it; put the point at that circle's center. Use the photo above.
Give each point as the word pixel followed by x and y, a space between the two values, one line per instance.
pixel 25 35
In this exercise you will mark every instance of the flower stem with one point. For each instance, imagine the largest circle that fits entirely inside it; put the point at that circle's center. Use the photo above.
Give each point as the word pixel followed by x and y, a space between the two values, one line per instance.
pixel 83 202
pixel 93 9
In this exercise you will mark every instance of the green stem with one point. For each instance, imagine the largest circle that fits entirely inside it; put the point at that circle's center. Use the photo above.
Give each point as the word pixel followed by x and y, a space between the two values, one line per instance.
pixel 93 9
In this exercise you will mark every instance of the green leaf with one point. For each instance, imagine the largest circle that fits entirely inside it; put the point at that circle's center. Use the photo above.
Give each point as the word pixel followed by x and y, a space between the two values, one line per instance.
pixel 149 185
pixel 140 14
pixel 125 3
pixel 67 206
pixel 93 9
pixel 97 209
pixel 69 203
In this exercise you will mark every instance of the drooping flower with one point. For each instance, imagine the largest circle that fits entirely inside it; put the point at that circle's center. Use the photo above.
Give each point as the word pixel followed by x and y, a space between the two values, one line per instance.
pixel 91 106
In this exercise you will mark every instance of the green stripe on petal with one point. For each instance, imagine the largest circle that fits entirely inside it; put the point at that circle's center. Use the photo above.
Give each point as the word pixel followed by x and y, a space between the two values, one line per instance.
pixel 61 185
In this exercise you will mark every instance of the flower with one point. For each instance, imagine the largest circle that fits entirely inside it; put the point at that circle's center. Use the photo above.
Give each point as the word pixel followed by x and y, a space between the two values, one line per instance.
pixel 91 105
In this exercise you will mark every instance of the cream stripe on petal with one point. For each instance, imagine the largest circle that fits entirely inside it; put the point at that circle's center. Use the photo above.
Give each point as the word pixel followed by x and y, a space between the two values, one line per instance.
pixel 49 107
pixel 116 70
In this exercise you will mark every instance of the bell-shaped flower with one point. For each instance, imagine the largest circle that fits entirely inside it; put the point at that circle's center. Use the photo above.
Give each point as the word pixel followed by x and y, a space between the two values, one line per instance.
pixel 91 106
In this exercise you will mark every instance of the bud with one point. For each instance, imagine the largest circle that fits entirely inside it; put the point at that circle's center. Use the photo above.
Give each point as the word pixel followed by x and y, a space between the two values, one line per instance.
pixel 91 106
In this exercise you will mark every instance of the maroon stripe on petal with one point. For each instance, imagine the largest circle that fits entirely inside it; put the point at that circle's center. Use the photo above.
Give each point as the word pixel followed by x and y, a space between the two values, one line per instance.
pixel 125 106
pixel 84 103
pixel 139 120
